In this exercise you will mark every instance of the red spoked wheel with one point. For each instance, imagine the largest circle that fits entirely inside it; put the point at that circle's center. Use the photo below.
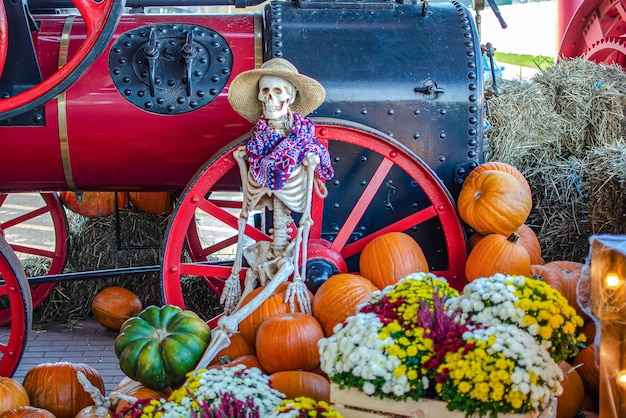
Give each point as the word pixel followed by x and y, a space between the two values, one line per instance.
pixel 101 19
pixel 4 37
pixel 379 186
pixel 15 289
pixel 35 227
pixel 596 33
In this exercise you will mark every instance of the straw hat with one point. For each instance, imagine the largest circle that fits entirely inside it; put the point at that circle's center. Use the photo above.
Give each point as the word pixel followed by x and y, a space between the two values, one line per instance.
pixel 244 89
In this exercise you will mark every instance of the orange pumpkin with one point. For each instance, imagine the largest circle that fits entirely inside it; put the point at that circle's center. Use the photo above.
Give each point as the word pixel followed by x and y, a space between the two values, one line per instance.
pixel 248 360
pixel 238 347
pixel 155 203
pixel 114 305
pixel 496 253
pixel 296 383
pixel 66 396
pixel 589 369
pixel 288 342
pixel 274 304
pixel 498 166
pixel 135 389
pixel 27 412
pixel 390 257
pixel 563 275
pixel 337 298
pixel 12 394
pixel 494 202
pixel 94 411
pixel 527 238
pixel 570 401
pixel 94 204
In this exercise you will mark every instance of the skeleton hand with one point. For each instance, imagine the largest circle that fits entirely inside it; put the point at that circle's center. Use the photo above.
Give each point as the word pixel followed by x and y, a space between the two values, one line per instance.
pixel 231 293
pixel 297 289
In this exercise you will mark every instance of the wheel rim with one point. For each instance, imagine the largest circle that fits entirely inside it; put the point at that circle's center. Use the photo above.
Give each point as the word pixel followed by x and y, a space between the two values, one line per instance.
pixel 4 40
pixel 389 165
pixel 594 33
pixel 16 290
pixel 101 19
pixel 44 213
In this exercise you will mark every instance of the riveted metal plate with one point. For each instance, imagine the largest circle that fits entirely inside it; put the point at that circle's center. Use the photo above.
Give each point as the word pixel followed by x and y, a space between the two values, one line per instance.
pixel 170 68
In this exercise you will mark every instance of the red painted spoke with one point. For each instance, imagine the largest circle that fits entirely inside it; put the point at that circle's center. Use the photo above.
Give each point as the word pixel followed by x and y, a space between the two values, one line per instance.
pixel 401 225
pixel 198 269
pixel 25 217
pixel 212 249
pixel 3 348
pixel 33 251
pixel 317 215
pixel 231 220
pixel 362 205
pixel 3 197
pixel 3 290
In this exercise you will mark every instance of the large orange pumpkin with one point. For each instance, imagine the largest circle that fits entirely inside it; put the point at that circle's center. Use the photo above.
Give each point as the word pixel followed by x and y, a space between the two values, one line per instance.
pixel 337 298
pixel 12 394
pixel 496 253
pixel 589 369
pixel 155 203
pixel 563 275
pixel 275 304
pixel 527 238
pixel 570 401
pixel 498 166
pixel 296 383
pixel 390 257
pixel 94 204
pixel 27 412
pixel 113 305
pixel 55 387
pixel 135 389
pixel 238 347
pixel 288 342
pixel 494 202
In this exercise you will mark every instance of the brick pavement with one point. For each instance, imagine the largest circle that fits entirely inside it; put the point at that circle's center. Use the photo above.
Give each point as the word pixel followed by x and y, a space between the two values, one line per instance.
pixel 81 341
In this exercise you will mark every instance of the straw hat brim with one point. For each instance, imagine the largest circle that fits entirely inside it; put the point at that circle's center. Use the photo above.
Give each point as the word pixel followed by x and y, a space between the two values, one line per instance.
pixel 244 90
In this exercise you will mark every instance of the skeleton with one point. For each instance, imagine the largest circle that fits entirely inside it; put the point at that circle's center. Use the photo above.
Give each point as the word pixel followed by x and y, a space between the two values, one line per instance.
pixel 270 263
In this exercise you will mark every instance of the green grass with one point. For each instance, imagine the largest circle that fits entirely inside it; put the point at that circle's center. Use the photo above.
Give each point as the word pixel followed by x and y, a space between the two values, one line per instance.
pixel 539 61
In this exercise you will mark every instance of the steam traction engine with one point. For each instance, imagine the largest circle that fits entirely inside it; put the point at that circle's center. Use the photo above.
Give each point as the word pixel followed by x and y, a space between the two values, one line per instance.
pixel 120 98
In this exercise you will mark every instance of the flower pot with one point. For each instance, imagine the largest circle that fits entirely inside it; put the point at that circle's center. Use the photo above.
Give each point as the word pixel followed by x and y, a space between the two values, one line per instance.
pixel 352 403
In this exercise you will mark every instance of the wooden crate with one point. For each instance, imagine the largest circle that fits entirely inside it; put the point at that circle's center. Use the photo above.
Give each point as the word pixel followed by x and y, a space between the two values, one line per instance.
pixel 352 403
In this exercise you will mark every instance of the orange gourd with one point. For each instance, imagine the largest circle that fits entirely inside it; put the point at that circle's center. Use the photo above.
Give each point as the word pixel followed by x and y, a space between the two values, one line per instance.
pixel 496 253
pixel 563 275
pixel 238 347
pixel 135 389
pixel 338 297
pixel 527 238
pixel 12 394
pixel 494 202
pixel 390 257
pixel 288 342
pixel 27 412
pixel 55 387
pixel 570 401
pixel 94 204
pixel 155 203
pixel 248 360
pixel 296 383
pixel 114 305
pixel 589 369
pixel 274 304
pixel 498 166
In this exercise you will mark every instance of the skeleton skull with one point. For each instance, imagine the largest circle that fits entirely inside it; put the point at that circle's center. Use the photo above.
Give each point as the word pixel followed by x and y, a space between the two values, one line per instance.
pixel 276 94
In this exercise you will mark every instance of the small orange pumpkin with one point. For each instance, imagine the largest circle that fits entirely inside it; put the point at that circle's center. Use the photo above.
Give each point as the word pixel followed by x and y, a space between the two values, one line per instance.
pixel 563 275
pixel 27 412
pixel 274 304
pixel 248 360
pixel 337 298
pixel 390 257
pixel 570 401
pixel 155 203
pixel 288 342
pixel 238 347
pixel 498 166
pixel 12 394
pixel 135 389
pixel 113 305
pixel 94 204
pixel 66 397
pixel 589 369
pixel 496 253
pixel 296 383
pixel 494 202
pixel 527 238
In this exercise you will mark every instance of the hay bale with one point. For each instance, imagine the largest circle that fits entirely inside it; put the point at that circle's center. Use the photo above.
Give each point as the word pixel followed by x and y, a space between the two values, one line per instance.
pixel 564 130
